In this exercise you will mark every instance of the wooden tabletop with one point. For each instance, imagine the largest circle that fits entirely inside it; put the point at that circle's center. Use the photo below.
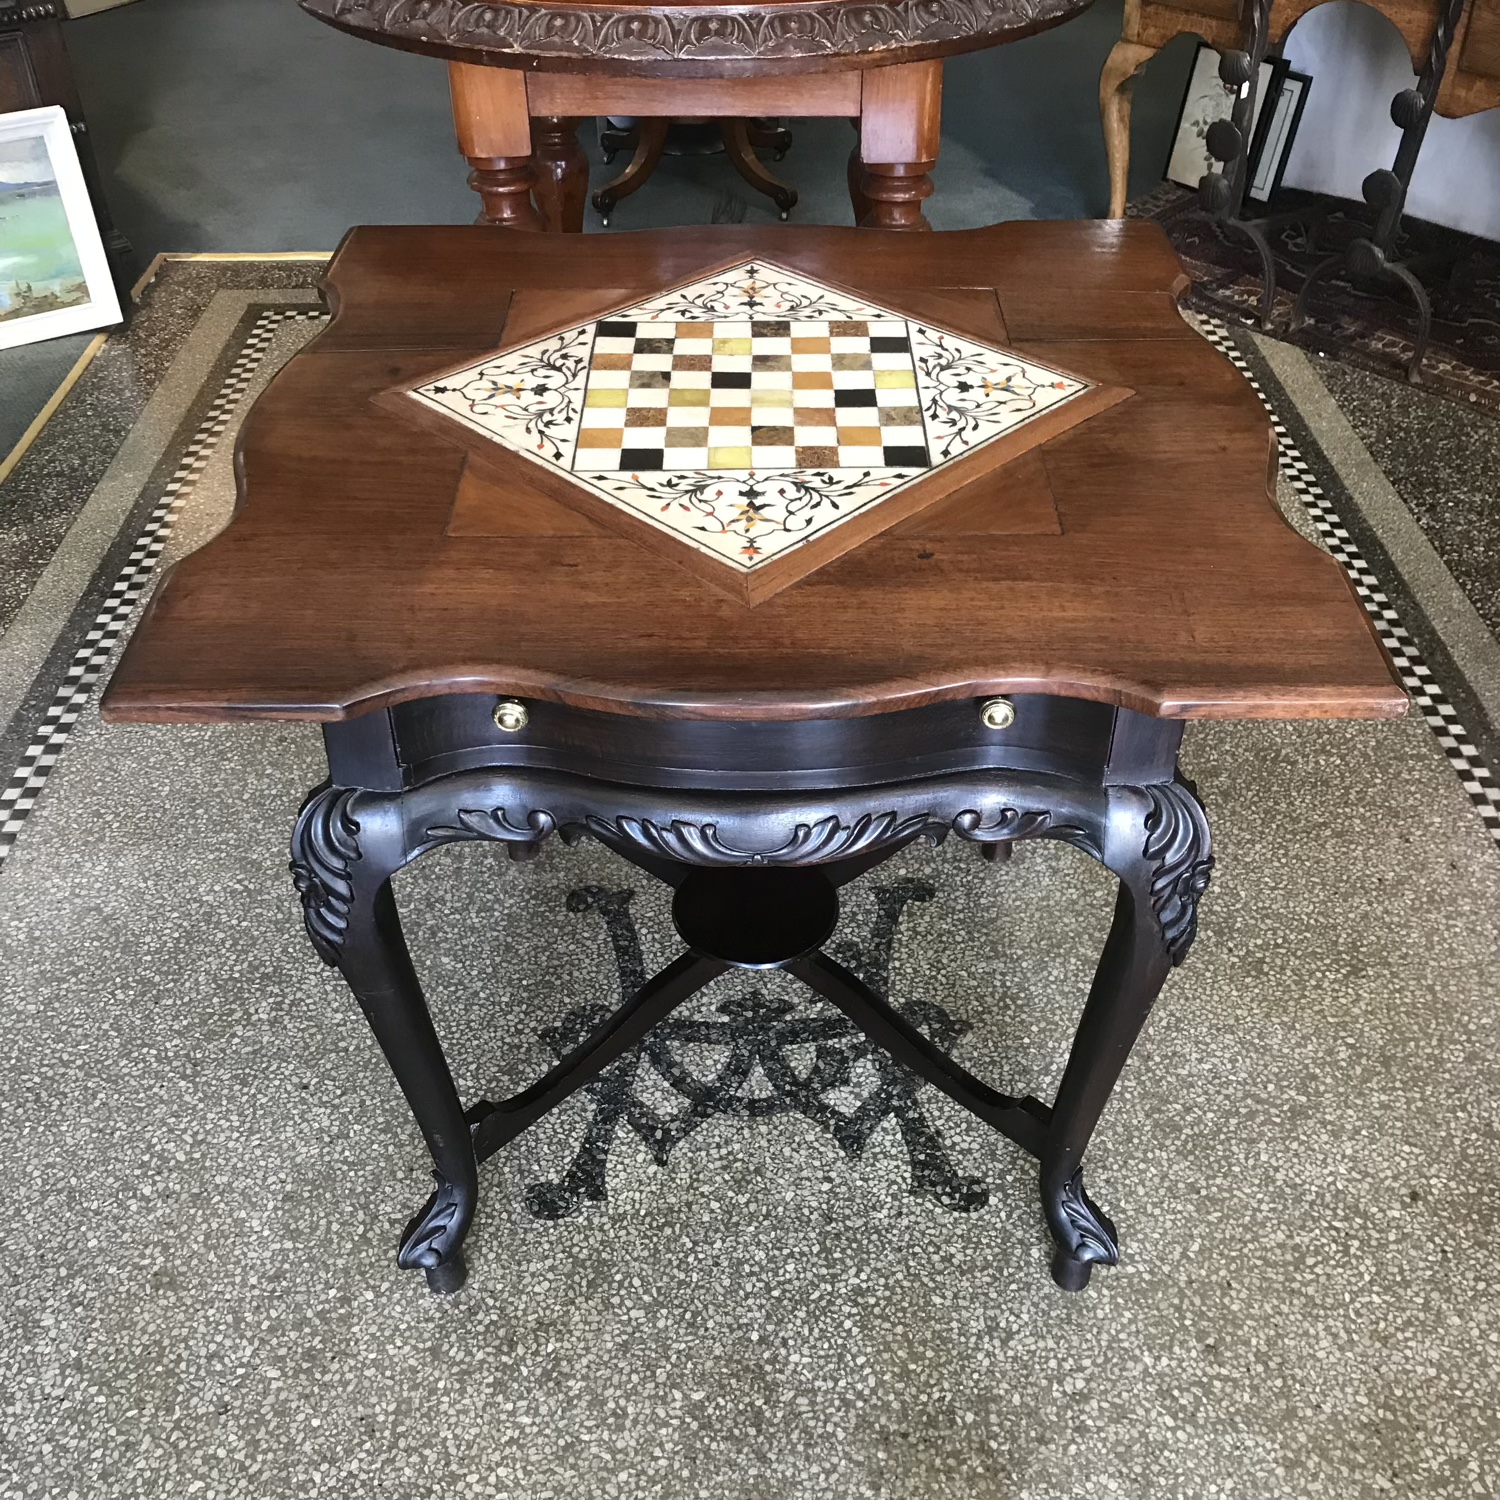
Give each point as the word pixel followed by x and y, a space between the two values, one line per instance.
pixel 696 39
pixel 1136 558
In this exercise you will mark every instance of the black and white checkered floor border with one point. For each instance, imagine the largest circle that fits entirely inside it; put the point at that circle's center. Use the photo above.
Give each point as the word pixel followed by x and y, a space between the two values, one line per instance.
pixel 1474 775
pixel 19 795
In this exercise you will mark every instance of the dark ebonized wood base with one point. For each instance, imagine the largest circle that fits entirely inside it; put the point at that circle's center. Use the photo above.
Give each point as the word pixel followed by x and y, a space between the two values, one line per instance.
pixel 755 827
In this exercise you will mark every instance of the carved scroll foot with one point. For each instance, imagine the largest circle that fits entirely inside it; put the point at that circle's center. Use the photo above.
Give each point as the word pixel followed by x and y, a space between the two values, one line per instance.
pixel 1084 1233
pixel 450 1277
pixel 432 1241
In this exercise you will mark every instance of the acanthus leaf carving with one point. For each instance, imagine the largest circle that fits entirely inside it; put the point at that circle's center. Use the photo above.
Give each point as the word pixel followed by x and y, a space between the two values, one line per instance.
pixel 494 823
pixel 1093 1234
pixel 1007 824
pixel 825 839
pixel 325 845
pixel 426 1242
pixel 1178 851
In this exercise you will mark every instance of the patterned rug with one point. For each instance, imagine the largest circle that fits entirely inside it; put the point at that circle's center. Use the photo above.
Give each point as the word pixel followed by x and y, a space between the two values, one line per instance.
pixel 1372 327
pixel 754 1259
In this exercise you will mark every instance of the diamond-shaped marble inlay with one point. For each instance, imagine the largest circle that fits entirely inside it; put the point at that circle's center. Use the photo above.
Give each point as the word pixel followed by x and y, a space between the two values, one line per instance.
pixel 750 411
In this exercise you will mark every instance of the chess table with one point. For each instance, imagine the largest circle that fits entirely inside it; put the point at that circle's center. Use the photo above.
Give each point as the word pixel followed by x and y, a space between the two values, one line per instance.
pixel 755 556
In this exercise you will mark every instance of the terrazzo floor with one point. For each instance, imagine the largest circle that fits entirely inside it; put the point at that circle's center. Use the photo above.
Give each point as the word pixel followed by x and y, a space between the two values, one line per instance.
pixel 209 1165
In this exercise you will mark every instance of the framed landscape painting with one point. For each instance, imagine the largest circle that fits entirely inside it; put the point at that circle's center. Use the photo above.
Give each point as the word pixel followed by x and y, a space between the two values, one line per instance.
pixel 54 277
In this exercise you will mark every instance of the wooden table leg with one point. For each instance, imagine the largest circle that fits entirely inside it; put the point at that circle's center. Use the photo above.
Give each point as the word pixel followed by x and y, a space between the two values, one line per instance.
pixel 346 847
pixel 857 199
pixel 900 120
pixel 494 134
pixel 1157 841
pixel 1116 84
pixel 562 172
pixel 741 152
pixel 651 141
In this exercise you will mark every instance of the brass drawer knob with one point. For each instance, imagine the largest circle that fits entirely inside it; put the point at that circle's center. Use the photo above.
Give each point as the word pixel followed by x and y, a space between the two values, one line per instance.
pixel 510 716
pixel 997 713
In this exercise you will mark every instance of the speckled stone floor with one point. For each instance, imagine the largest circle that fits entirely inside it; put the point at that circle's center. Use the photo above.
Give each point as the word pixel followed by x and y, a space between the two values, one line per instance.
pixel 209 1165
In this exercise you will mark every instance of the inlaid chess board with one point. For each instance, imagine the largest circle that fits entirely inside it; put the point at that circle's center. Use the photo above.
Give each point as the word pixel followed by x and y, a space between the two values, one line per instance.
pixel 751 394
pixel 754 413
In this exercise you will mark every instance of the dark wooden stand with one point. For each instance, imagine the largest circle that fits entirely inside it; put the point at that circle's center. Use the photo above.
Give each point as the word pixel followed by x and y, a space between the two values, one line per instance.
pixel 756 874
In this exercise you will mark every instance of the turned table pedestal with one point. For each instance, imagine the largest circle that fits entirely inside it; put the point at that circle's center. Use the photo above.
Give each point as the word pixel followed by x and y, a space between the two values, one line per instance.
pixel 755 556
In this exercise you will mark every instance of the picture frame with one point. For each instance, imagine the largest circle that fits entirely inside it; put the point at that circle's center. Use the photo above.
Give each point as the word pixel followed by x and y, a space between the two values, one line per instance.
pixel 1206 100
pixel 1275 147
pixel 54 273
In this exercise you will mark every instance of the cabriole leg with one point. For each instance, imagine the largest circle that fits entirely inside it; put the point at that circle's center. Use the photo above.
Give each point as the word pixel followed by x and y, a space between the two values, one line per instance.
pixel 1122 67
pixel 346 846
pixel 1157 842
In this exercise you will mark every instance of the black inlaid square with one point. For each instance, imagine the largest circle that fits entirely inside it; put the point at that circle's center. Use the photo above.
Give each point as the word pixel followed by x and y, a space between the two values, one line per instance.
pixel 906 457
pixel 730 380
pixel 654 346
pixel 889 345
pixel 854 398
pixel 770 330
pixel 615 330
pixel 642 458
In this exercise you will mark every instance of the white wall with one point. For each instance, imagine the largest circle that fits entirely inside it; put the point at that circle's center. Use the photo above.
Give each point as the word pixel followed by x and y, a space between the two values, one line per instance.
pixel 1358 64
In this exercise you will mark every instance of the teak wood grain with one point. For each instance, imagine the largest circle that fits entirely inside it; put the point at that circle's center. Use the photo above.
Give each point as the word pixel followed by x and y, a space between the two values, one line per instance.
pixel 1174 587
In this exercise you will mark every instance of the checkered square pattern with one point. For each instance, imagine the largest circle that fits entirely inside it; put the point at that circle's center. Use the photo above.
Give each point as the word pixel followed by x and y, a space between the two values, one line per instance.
pixel 80 680
pixel 1427 695
pixel 751 394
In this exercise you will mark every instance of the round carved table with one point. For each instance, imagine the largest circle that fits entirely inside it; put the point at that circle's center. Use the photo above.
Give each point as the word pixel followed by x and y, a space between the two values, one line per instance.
pixel 1000 525
pixel 525 75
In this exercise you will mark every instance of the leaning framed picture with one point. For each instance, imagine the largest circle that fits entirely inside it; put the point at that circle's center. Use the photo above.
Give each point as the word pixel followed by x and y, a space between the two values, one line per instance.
pixel 54 277
pixel 1276 142
pixel 1206 100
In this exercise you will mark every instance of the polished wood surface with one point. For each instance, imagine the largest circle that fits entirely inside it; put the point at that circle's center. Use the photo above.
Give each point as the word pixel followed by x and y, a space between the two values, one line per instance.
pixel 1471 84
pixel 1171 584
